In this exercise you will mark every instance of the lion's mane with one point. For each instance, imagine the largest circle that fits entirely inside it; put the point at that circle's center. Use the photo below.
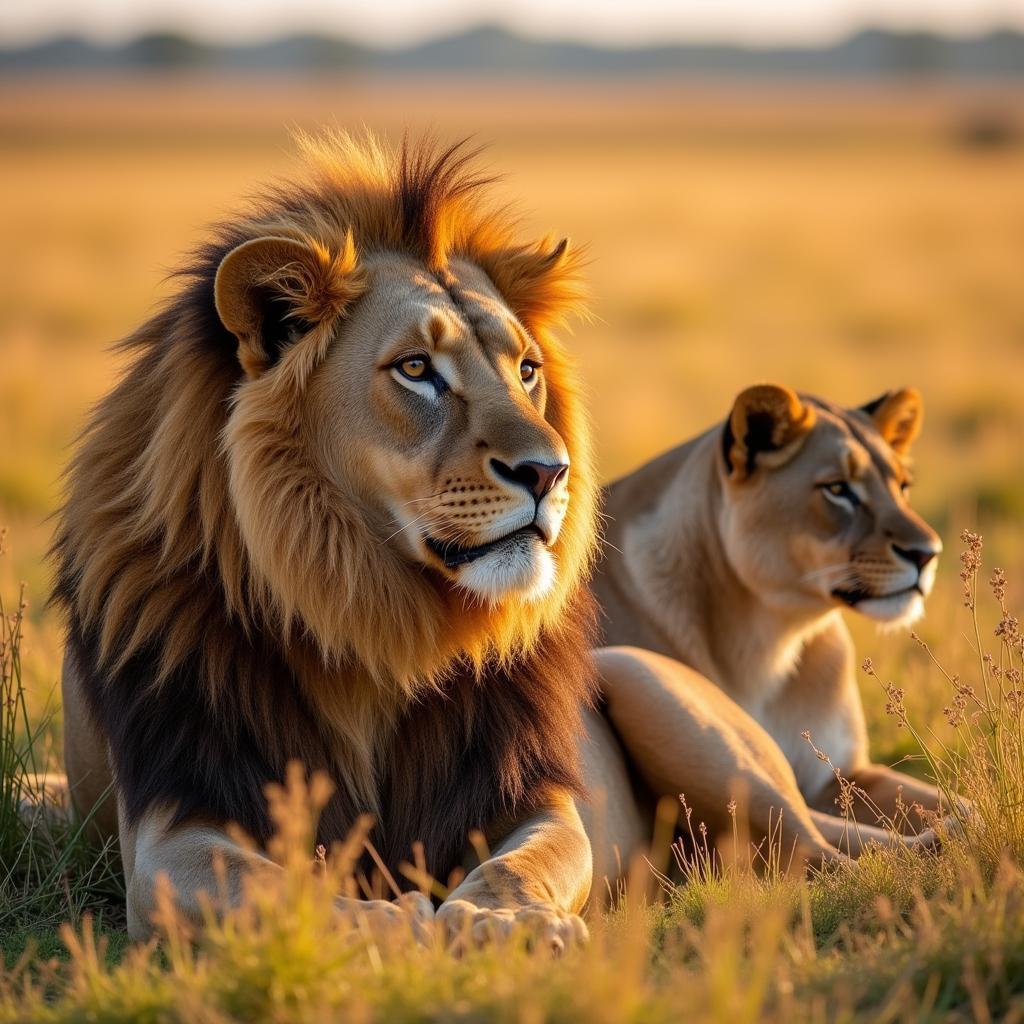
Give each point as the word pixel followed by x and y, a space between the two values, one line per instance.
pixel 208 665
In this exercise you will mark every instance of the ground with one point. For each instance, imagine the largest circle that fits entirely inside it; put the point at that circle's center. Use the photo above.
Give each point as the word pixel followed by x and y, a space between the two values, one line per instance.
pixel 842 240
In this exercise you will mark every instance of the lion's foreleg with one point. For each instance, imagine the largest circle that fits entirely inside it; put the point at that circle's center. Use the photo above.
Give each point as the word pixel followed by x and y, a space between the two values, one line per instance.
pixel 85 760
pixel 205 867
pixel 193 859
pixel 537 877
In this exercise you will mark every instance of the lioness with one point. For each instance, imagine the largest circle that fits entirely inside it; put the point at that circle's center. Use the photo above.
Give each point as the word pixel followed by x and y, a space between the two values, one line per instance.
pixel 736 553
pixel 339 510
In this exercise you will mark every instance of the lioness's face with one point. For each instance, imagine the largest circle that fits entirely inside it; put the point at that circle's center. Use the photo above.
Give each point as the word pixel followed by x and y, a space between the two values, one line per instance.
pixel 444 437
pixel 831 524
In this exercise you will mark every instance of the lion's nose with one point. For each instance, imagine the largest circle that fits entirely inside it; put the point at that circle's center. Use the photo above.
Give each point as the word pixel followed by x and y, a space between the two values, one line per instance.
pixel 918 557
pixel 537 477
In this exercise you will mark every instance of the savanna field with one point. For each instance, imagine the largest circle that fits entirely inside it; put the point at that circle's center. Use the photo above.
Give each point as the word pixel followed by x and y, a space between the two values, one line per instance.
pixel 842 240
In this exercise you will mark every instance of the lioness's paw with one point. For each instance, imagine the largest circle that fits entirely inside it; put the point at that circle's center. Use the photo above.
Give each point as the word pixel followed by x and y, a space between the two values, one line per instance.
pixel 941 828
pixel 926 841
pixel 465 926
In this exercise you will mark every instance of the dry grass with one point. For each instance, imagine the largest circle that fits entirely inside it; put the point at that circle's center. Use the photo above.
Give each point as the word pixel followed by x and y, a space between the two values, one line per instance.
pixel 897 936
pixel 838 240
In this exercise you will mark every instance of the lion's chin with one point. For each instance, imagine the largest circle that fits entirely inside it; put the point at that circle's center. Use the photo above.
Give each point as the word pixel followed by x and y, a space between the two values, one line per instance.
pixel 524 570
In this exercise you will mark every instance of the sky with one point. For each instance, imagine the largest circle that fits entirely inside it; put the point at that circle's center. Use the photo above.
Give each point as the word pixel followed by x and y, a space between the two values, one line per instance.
pixel 400 22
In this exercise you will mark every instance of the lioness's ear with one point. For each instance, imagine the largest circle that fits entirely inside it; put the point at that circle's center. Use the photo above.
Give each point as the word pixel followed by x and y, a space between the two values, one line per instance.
pixel 270 291
pixel 766 427
pixel 898 416
pixel 540 283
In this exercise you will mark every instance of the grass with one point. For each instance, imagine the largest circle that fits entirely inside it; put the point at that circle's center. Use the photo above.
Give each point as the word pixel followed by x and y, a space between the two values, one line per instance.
pixel 49 870
pixel 842 242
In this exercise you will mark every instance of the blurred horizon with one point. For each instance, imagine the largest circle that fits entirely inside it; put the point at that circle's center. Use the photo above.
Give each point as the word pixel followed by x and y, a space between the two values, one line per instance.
pixel 599 22
pixel 488 49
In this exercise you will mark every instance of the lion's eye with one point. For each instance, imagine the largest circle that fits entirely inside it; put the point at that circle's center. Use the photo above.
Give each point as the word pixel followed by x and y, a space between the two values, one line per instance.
pixel 840 490
pixel 528 371
pixel 414 367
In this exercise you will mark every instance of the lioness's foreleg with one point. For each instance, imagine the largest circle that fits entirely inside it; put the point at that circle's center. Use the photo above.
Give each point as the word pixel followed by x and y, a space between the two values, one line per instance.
pixel 537 877
pixel 685 736
pixel 852 837
pixel 199 859
pixel 888 792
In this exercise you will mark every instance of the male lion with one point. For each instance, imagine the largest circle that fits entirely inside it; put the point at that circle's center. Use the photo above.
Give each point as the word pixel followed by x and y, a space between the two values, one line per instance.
pixel 339 511
pixel 735 554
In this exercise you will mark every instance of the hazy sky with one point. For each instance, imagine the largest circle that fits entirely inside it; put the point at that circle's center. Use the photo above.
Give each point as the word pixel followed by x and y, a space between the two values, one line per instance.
pixel 395 22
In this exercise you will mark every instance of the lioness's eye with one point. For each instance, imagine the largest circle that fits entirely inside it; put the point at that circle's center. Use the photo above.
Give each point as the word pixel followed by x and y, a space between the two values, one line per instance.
pixel 415 367
pixel 842 490
pixel 528 370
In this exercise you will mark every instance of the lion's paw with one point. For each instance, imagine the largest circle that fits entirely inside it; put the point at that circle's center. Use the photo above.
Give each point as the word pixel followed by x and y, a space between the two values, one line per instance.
pixel 467 926
pixel 410 915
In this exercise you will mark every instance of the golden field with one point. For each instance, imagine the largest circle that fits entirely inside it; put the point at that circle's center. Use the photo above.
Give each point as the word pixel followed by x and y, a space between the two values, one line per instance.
pixel 842 240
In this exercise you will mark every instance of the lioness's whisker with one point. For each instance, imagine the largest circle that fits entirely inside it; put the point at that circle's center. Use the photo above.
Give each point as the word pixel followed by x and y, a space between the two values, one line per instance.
pixel 825 570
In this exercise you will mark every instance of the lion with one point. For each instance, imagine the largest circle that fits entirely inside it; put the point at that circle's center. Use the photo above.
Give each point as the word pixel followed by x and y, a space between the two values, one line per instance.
pixel 340 510
pixel 735 554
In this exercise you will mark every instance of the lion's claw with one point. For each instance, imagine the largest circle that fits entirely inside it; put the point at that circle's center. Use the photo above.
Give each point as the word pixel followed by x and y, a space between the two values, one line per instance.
pixel 465 925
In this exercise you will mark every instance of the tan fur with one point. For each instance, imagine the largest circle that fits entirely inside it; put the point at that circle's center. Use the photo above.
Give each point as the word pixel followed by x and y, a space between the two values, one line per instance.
pixel 317 285
pixel 790 422
pixel 899 418
pixel 727 561
pixel 684 737
pixel 299 487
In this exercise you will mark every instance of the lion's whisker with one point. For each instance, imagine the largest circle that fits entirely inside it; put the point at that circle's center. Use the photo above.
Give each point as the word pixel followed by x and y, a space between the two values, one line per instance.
pixel 428 497
pixel 412 522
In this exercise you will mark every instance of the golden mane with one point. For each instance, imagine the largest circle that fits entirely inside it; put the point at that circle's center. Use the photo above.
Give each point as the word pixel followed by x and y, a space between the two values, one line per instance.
pixel 152 565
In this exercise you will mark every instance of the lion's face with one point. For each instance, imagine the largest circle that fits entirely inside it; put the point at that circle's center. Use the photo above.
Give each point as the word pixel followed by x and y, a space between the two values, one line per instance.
pixel 400 442
pixel 430 406
pixel 817 512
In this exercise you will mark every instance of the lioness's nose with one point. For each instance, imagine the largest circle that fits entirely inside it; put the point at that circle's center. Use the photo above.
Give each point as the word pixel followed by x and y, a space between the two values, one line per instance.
pixel 537 477
pixel 918 557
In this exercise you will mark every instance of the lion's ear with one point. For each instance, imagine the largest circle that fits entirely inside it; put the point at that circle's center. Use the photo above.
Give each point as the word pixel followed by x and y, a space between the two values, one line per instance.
pixel 541 283
pixel 898 417
pixel 766 427
pixel 271 291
